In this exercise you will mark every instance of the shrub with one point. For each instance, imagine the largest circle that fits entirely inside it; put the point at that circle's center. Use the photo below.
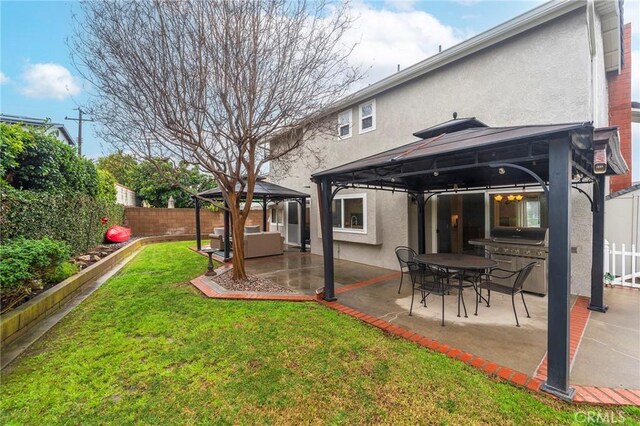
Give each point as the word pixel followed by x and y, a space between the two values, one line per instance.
pixel 24 264
pixel 13 141
pixel 47 164
pixel 106 187
pixel 61 273
pixel 72 218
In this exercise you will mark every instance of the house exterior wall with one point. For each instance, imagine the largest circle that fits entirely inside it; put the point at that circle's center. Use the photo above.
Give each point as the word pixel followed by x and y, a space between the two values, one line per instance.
pixel 125 196
pixel 622 226
pixel 542 76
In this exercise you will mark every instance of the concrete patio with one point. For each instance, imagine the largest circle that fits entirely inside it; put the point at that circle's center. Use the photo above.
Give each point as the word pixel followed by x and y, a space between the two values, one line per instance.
pixel 605 347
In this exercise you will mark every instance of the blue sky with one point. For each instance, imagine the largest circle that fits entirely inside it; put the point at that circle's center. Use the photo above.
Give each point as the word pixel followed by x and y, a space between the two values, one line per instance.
pixel 39 80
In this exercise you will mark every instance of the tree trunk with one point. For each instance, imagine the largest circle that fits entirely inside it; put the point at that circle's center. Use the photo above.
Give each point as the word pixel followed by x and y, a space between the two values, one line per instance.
pixel 238 220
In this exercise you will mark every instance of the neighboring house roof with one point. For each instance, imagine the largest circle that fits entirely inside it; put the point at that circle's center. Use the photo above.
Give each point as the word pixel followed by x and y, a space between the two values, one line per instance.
pixel 611 23
pixel 635 187
pixel 123 186
pixel 38 122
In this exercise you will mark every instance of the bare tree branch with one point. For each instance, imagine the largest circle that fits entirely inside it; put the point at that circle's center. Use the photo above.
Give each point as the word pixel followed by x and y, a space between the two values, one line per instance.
pixel 228 86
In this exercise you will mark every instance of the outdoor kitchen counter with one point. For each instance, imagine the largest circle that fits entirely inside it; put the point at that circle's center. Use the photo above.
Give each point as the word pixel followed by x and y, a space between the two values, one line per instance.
pixel 491 242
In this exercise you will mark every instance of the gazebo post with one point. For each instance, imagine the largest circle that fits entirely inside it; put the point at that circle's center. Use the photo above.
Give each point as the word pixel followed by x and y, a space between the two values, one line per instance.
pixel 326 219
pixel 303 220
pixel 198 239
pixel 597 247
pixel 557 382
pixel 264 214
pixel 227 222
pixel 420 218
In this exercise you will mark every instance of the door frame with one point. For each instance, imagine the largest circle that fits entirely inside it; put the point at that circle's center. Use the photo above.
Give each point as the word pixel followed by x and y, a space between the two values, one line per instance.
pixel 286 224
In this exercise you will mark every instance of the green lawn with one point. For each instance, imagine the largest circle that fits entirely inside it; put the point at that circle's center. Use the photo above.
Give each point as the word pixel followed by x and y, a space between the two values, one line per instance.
pixel 148 348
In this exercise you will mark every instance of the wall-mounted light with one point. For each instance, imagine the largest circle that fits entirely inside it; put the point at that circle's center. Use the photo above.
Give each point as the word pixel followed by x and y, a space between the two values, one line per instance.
pixel 436 173
pixel 502 171
pixel 511 197
pixel 498 198
pixel 519 197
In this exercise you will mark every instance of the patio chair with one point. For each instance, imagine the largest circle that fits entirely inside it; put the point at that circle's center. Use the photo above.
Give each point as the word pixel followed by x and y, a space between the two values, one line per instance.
pixel 427 280
pixel 404 255
pixel 520 278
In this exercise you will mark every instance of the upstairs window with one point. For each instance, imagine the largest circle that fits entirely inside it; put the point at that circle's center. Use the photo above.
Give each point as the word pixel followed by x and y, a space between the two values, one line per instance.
pixel 368 116
pixel 344 124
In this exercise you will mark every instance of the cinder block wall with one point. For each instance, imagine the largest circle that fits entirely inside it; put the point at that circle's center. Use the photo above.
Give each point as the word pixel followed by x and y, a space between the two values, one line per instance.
pixel 153 221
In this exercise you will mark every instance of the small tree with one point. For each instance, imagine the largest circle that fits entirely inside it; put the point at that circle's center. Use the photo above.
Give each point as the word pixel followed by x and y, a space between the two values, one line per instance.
pixel 122 166
pixel 151 184
pixel 212 83
pixel 36 160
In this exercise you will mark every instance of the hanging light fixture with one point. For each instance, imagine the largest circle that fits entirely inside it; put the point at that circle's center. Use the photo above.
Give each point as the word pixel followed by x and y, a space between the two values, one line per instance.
pixel 519 197
pixel 511 197
pixel 498 198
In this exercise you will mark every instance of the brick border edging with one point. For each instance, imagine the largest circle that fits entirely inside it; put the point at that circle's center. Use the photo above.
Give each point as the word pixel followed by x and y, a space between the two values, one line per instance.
pixel 198 283
pixel 579 317
pixel 18 321
pixel 584 394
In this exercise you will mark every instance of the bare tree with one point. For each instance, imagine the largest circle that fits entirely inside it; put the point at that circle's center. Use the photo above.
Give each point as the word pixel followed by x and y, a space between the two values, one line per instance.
pixel 213 83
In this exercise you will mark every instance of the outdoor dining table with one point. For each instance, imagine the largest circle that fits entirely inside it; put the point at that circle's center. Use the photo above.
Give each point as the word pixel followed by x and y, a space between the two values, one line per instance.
pixel 457 264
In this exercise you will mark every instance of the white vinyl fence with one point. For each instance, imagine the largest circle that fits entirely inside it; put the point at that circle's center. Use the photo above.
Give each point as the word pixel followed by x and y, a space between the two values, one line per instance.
pixel 622 264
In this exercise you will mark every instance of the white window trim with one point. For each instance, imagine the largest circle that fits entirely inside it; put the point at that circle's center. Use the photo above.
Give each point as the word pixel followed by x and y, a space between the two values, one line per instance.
pixel 363 196
pixel 347 136
pixel 373 117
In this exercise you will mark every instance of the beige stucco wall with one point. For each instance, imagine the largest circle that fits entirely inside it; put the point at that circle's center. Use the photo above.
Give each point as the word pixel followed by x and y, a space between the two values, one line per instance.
pixel 542 76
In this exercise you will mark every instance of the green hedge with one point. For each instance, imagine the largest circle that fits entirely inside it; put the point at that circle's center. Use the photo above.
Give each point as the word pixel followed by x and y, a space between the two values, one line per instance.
pixel 72 218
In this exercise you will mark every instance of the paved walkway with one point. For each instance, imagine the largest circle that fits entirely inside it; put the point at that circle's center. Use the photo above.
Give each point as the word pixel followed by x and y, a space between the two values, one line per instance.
pixel 605 348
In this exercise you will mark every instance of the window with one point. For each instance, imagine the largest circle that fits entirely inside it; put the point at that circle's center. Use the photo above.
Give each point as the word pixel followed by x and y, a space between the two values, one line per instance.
pixel 344 124
pixel 519 209
pixel 276 216
pixel 367 116
pixel 349 213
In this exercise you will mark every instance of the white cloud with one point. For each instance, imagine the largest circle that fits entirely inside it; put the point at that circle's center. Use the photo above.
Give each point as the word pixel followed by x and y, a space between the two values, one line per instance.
pixel 401 5
pixel 50 81
pixel 387 38
pixel 3 78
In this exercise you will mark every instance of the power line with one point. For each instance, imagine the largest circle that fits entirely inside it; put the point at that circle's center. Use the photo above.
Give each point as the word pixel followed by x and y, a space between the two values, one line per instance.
pixel 79 120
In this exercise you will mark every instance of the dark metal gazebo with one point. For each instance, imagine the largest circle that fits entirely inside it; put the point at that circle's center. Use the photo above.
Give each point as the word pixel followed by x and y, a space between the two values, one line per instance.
pixel 465 154
pixel 263 193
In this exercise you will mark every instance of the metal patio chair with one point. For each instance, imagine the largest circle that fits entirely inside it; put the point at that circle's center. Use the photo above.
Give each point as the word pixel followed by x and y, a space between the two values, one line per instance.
pixel 404 255
pixel 428 280
pixel 486 282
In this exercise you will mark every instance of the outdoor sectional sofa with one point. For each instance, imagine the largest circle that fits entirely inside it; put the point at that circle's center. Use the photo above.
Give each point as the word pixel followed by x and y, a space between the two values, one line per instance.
pixel 256 243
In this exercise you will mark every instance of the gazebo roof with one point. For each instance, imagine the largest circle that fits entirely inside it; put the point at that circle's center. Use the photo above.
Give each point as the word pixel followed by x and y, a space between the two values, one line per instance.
pixel 263 189
pixel 467 156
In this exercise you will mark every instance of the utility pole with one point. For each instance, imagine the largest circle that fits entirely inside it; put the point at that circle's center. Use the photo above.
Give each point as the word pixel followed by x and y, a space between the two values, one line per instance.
pixel 79 120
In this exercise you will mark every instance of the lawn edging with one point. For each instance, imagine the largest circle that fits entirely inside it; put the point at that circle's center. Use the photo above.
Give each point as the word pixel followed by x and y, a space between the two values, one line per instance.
pixel 15 323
